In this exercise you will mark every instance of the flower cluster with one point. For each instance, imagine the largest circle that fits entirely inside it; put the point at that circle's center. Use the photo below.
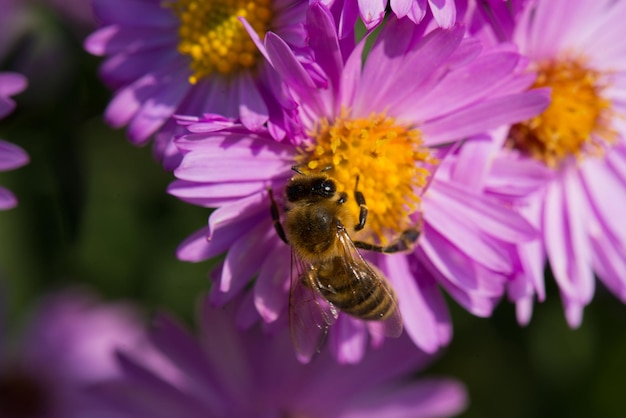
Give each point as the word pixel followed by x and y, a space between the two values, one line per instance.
pixel 455 120
pixel 364 162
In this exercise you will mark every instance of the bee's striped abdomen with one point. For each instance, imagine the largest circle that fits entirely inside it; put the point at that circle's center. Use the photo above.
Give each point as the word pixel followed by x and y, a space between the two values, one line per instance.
pixel 356 291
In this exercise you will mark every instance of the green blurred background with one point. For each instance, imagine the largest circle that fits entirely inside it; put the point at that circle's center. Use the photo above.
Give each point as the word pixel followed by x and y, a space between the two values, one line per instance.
pixel 93 211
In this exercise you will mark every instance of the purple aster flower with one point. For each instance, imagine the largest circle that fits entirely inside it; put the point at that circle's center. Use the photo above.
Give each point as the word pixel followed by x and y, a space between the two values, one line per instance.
pixel 378 120
pixel 11 156
pixel 228 373
pixel 579 138
pixel 187 57
pixel 68 347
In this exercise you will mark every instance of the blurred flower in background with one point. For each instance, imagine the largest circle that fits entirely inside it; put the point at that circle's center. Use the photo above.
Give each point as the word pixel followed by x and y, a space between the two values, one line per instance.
pixel 224 372
pixel 580 138
pixel 385 131
pixel 187 57
pixel 68 345
pixel 11 156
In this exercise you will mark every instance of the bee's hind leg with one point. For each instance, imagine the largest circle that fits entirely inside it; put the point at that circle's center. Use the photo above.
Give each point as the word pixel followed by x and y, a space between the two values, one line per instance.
pixel 405 242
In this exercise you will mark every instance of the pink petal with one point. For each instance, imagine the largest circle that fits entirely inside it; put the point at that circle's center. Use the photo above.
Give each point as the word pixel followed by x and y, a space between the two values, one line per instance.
pixel 244 258
pixel 7 199
pixel 195 247
pixel 252 108
pixel 419 302
pixel 484 116
pixel 372 12
pixel 153 14
pixel 348 340
pixel 271 290
pixel 425 398
pixel 444 14
pixel 12 156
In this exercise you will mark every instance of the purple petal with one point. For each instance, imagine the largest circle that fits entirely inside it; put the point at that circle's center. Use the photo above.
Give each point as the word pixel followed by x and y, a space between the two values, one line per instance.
pixel 610 265
pixel 402 7
pixel 259 160
pixel 476 289
pixel 293 73
pixel 426 398
pixel 483 116
pixel 10 84
pixel 271 290
pixel 324 43
pixel 351 76
pixel 244 257
pixel 156 109
pixel 414 72
pixel 456 91
pixel 252 108
pixel 444 14
pixel 115 39
pixel 195 247
pixel 372 12
pixel 12 156
pixel 420 304
pixel 577 223
pixel 126 13
pixel 214 194
pixel 513 175
pixel 7 199
pixel 251 207
pixel 187 355
pixel 348 340
pixel 122 70
pixel 228 359
pixel 494 218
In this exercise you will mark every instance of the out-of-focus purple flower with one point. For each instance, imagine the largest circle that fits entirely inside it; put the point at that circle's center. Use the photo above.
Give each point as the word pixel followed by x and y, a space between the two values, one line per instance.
pixel 380 121
pixel 69 346
pixel 228 373
pixel 186 57
pixel 11 156
pixel 575 48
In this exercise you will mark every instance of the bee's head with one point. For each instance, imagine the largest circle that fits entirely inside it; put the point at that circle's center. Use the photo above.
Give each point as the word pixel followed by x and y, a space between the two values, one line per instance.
pixel 310 187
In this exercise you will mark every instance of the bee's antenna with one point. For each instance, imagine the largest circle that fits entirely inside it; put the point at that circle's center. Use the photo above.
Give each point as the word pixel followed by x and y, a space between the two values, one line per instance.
pixel 328 167
pixel 296 169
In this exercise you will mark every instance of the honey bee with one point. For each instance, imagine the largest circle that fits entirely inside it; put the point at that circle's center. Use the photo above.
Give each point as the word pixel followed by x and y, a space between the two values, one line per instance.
pixel 330 273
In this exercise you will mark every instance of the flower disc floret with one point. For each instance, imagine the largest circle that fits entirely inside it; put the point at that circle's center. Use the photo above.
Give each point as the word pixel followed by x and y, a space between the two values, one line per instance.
pixel 388 158
pixel 212 35
pixel 577 121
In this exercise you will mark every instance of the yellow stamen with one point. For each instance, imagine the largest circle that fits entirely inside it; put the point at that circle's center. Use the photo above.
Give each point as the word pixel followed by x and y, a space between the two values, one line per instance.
pixel 390 160
pixel 577 122
pixel 212 35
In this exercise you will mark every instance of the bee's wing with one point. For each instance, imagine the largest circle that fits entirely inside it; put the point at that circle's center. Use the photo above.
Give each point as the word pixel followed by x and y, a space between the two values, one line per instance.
pixel 362 270
pixel 310 314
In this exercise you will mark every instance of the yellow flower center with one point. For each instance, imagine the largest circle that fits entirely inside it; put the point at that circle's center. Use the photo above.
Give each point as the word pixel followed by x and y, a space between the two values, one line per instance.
pixel 389 159
pixel 212 35
pixel 577 121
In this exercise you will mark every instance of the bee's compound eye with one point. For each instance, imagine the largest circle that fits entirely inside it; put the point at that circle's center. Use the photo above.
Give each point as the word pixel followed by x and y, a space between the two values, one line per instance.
pixel 323 187
pixel 328 188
